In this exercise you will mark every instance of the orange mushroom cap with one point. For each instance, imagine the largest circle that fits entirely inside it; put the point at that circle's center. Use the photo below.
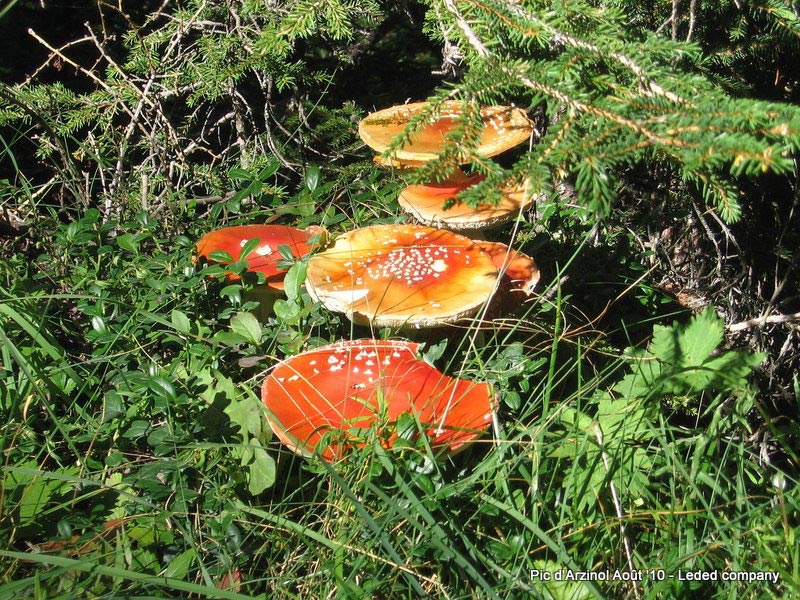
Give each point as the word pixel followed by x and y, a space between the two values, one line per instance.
pixel 518 270
pixel 506 127
pixel 265 257
pixel 402 275
pixel 353 384
pixel 425 204
pixel 518 277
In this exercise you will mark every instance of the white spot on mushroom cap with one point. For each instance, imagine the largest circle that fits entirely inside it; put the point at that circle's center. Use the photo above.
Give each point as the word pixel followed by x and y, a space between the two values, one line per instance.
pixel 345 297
pixel 264 250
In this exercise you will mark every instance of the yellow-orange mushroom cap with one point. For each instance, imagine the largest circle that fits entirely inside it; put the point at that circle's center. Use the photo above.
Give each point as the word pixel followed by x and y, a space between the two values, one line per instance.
pixel 402 276
pixel 505 128
pixel 353 385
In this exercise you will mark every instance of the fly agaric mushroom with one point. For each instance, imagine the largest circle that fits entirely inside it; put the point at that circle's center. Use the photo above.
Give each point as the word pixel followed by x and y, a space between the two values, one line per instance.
pixel 402 275
pixel 263 258
pixel 405 275
pixel 425 203
pixel 352 385
pixel 504 128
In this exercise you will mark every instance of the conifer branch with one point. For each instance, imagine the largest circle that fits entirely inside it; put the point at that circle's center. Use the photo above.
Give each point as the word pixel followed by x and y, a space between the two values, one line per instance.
pixel 476 43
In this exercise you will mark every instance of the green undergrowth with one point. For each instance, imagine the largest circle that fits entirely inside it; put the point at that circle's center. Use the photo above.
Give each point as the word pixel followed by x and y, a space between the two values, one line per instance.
pixel 631 455
pixel 137 460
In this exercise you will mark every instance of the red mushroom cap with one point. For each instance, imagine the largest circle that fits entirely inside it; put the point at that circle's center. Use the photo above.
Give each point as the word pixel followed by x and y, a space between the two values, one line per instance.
pixel 518 270
pixel 402 276
pixel 349 385
pixel 265 257
pixel 425 204
pixel 518 276
pixel 506 127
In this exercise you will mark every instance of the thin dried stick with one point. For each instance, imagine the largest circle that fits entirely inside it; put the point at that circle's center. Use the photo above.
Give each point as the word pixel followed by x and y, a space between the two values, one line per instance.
pixel 765 320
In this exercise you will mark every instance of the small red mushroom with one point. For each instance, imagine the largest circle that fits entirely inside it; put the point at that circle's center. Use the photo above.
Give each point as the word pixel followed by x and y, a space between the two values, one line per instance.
pixel 265 257
pixel 352 385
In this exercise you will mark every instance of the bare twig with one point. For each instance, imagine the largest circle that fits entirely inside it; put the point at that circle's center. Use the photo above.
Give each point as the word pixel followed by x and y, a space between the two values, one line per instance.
pixel 692 19
pixel 675 18
pixel 765 320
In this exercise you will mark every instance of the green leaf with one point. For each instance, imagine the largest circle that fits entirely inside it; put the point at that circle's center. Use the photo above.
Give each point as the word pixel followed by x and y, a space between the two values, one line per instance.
pixel 180 321
pixel 246 325
pixel 247 413
pixel 161 386
pixel 312 177
pixel 178 567
pixel 239 174
pixel 294 279
pixel 127 241
pixel 220 256
pixel 575 419
pixel 700 338
pixel 261 474
pixel 285 250
pixel 35 498
pixel 137 429
pixel 227 338
pixel 248 247
pixel 286 311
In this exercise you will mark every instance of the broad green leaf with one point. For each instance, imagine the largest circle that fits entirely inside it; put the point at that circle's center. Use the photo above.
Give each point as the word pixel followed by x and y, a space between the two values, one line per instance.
pixel 246 325
pixel 573 418
pixel 178 567
pixel 700 337
pixel 312 177
pixel 261 471
pixel 229 339
pixel 294 279
pixel 127 241
pixel 35 498
pixel 144 561
pixel 238 174
pixel 288 312
pixel 220 388
pixel 161 386
pixel 247 412
pixel 220 256
pixel 180 321
pixel 248 247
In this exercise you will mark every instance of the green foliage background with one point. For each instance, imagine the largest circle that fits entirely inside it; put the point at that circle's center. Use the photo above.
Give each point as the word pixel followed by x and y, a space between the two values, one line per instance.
pixel 631 434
